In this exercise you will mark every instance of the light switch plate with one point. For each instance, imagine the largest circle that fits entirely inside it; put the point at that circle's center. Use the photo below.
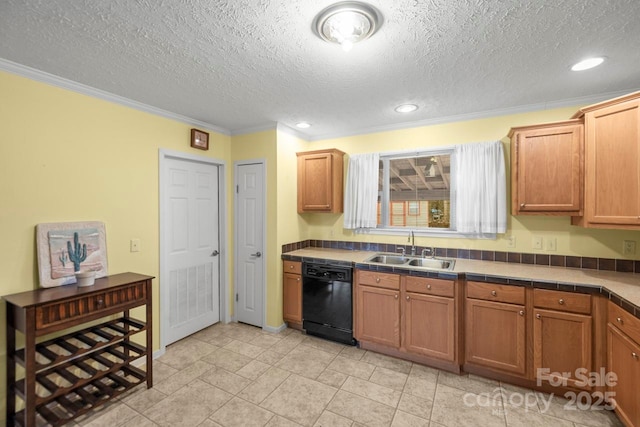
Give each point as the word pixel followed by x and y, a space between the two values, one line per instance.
pixel 134 245
pixel 552 244
pixel 629 247
pixel 511 241
pixel 537 242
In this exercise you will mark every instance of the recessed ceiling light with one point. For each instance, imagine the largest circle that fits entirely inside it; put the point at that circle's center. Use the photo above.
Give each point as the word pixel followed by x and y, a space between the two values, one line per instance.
pixel 587 63
pixel 406 108
pixel 303 125
pixel 347 23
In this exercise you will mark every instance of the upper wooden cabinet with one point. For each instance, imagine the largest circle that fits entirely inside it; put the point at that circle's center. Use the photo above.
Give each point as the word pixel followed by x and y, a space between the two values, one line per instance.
pixel 320 181
pixel 612 163
pixel 547 168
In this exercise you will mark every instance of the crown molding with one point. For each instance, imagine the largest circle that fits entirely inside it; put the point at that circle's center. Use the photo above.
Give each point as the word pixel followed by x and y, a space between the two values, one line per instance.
pixel 291 131
pixel 569 102
pixel 44 77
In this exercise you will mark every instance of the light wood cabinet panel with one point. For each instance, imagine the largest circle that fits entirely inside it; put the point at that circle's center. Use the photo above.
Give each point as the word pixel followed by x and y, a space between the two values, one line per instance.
pixel 562 344
pixel 547 168
pixel 560 300
pixel 378 315
pixel 623 359
pixel 292 298
pixel 379 280
pixel 320 181
pixel 495 292
pixel 495 335
pixel 429 325
pixel 612 164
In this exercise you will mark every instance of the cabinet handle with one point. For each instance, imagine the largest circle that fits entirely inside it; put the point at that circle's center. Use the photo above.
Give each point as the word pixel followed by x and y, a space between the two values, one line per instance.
pixel 428 286
pixel 298 279
pixel 522 205
pixel 377 280
pixel 634 355
pixel 100 302
pixel 396 296
pixel 537 315
pixel 494 293
pixel 291 267
pixel 407 297
pixel 619 320
pixel 561 301
pixel 521 312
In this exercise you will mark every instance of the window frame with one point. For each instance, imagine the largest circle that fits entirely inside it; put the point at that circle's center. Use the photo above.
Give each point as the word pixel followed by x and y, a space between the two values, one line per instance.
pixel 384 195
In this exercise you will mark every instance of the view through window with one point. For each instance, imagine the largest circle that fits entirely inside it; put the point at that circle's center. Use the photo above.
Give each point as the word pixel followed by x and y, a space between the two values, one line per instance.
pixel 415 191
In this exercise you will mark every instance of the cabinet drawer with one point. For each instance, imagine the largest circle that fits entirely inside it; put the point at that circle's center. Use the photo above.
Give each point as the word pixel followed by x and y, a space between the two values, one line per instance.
pixel 625 321
pixel 495 292
pixel 564 301
pixel 380 280
pixel 423 285
pixel 59 312
pixel 294 267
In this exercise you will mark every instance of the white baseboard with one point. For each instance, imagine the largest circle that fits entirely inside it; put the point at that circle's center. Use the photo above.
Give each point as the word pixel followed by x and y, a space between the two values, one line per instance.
pixel 275 330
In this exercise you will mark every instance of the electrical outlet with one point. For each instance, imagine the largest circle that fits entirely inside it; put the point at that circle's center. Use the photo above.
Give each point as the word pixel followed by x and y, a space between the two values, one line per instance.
pixel 134 245
pixel 511 241
pixel 629 247
pixel 552 244
pixel 537 242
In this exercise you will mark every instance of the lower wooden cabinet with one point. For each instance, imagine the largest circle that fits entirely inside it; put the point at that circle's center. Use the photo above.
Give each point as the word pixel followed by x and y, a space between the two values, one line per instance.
pixel 495 335
pixel 378 315
pixel 292 294
pixel 623 359
pixel 562 337
pixel 413 315
pixel 429 325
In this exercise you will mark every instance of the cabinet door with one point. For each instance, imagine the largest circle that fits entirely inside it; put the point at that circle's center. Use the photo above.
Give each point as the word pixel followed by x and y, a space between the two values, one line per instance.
pixel 547 172
pixel 292 302
pixel 495 335
pixel 561 346
pixel 613 164
pixel 429 325
pixel 623 360
pixel 378 315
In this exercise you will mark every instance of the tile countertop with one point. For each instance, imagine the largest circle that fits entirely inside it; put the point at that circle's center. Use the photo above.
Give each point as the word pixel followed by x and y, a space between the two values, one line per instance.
pixel 623 285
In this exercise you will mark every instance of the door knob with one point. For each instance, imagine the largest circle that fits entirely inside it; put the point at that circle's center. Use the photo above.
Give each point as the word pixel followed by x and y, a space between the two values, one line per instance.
pixel 257 254
pixel 215 253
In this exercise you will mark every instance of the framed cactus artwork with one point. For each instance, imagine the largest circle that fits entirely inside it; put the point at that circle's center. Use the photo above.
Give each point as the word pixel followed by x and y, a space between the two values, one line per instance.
pixel 65 248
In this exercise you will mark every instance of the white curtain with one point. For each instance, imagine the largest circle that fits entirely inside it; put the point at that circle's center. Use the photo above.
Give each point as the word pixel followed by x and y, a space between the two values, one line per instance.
pixel 361 192
pixel 481 189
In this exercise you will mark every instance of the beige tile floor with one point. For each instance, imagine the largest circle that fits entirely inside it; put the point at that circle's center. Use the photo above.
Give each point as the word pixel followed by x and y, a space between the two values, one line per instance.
pixel 237 375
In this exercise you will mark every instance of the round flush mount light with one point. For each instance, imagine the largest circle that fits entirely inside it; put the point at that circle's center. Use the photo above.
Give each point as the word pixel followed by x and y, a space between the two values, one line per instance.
pixel 406 108
pixel 347 23
pixel 303 125
pixel 587 64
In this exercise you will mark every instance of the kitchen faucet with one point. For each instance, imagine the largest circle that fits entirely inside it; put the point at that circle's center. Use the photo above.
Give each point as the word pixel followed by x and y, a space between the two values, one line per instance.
pixel 413 243
pixel 431 250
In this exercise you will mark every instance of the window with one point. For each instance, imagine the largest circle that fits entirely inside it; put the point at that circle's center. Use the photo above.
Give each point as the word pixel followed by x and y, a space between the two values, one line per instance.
pixel 414 191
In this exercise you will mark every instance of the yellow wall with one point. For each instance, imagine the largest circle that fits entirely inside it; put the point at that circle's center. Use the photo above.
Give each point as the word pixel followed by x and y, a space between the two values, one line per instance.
pixel 571 240
pixel 70 157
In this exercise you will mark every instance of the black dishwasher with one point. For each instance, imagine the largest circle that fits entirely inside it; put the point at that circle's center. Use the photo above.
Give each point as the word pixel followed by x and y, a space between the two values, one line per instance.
pixel 327 303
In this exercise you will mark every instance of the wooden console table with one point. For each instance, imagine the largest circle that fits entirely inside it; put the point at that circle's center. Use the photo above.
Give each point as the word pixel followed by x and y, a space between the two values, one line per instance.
pixel 68 374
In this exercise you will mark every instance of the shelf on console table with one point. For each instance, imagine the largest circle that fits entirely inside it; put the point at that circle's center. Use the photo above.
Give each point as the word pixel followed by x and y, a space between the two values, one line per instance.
pixel 67 376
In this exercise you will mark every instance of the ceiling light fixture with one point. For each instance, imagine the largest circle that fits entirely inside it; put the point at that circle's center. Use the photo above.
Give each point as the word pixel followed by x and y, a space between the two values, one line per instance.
pixel 303 125
pixel 587 64
pixel 406 108
pixel 347 23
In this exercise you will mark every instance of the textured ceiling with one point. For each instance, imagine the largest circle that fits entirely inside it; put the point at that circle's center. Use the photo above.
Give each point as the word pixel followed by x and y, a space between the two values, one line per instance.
pixel 245 64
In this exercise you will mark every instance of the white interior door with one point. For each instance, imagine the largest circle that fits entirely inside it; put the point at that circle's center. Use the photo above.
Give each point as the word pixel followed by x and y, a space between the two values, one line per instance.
pixel 191 283
pixel 250 259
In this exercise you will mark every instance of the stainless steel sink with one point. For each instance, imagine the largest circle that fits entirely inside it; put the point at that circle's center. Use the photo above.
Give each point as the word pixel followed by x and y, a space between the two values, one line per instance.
pixel 440 264
pixel 389 259
pixel 413 262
